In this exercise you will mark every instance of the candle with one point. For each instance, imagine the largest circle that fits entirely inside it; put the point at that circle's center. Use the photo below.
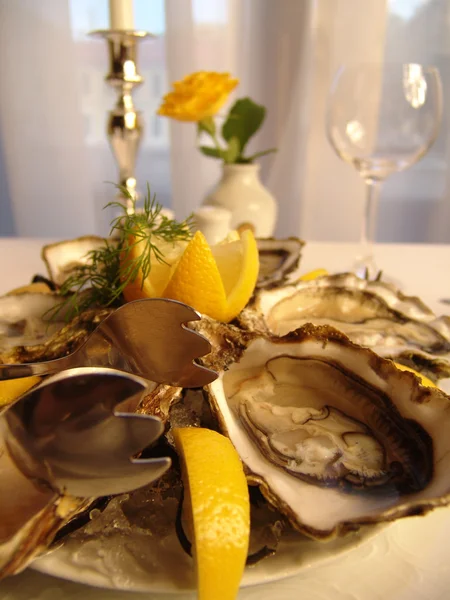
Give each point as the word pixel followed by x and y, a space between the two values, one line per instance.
pixel 121 14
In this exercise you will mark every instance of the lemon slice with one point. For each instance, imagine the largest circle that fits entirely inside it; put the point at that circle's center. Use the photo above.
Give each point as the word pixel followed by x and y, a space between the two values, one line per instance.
pixel 313 275
pixel 13 388
pixel 160 272
pixel 31 288
pixel 216 495
pixel 217 281
pixel 423 380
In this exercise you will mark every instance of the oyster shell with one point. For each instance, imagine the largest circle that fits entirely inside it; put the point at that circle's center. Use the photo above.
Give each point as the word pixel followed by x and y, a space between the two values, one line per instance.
pixel 34 538
pixel 24 318
pixel 277 259
pixel 60 258
pixel 335 435
pixel 54 344
pixel 437 369
pixel 371 313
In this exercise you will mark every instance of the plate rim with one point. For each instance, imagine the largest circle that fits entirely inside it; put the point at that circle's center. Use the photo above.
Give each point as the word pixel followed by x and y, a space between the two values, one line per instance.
pixel 46 564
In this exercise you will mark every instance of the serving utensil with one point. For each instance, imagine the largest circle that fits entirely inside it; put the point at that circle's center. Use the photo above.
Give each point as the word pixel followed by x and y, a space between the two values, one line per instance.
pixel 75 434
pixel 147 337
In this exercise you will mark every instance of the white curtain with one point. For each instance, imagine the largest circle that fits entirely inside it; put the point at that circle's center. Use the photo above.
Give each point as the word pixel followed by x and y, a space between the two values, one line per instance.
pixel 54 156
pixel 285 54
pixel 45 167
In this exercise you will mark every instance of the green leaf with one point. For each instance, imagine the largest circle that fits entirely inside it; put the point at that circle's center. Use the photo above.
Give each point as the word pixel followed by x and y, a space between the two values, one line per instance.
pixel 233 151
pixel 207 125
pixel 214 152
pixel 244 120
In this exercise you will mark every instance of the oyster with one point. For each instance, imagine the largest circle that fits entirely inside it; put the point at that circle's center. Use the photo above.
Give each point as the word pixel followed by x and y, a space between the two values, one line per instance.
pixel 24 318
pixel 335 435
pixel 371 313
pixel 277 259
pixel 35 537
pixel 59 340
pixel 27 315
pixel 60 258
pixel 434 368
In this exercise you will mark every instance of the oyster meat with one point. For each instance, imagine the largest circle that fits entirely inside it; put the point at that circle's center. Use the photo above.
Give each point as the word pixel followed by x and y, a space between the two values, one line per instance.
pixel 335 435
pixel 24 319
pixel 371 313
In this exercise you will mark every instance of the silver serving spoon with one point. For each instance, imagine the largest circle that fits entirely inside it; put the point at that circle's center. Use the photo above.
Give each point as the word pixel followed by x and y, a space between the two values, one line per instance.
pixel 146 337
pixel 74 434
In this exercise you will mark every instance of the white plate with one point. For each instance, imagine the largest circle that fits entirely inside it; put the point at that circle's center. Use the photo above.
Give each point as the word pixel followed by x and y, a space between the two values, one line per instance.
pixel 113 564
pixel 407 560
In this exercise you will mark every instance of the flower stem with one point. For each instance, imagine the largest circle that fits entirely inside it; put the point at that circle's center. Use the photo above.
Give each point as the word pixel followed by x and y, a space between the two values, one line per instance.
pixel 216 141
pixel 262 153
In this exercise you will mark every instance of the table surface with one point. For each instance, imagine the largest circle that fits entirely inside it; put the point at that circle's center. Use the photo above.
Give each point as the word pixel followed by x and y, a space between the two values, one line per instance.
pixel 408 560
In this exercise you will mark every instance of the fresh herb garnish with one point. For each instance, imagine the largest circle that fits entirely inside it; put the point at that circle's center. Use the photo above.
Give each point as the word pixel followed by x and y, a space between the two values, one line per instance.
pixel 110 268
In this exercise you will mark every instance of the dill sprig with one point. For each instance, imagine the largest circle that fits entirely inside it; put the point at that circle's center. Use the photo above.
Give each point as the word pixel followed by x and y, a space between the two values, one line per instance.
pixel 111 267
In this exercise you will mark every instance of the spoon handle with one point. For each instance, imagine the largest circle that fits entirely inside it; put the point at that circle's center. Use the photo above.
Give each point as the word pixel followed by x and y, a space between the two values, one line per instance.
pixel 17 371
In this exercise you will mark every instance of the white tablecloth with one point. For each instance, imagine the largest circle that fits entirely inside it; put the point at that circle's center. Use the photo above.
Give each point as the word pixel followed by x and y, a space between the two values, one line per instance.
pixel 409 560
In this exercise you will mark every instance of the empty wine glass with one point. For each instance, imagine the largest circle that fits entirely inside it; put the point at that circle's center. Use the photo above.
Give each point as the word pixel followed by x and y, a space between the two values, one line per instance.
pixel 382 119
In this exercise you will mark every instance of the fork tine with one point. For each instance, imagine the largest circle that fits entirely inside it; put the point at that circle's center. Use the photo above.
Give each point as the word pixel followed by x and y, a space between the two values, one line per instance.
pixel 198 345
pixel 156 341
pixel 140 430
pixel 194 376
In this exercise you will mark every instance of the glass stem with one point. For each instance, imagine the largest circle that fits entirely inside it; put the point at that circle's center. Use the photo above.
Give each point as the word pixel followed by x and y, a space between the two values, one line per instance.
pixel 373 187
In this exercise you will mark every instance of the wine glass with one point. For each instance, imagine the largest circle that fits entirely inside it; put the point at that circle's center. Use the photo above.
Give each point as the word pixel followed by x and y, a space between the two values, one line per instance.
pixel 382 119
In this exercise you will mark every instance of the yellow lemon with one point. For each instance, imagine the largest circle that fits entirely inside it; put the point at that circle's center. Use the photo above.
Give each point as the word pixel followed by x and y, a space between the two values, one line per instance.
pixel 423 380
pixel 217 281
pixel 216 494
pixel 31 288
pixel 160 272
pixel 313 275
pixel 13 388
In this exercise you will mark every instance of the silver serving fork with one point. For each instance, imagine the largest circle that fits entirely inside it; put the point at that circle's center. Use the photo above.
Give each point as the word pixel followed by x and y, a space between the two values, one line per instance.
pixel 146 337
pixel 74 434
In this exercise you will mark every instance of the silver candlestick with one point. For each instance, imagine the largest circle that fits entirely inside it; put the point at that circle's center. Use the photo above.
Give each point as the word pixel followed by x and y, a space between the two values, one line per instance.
pixel 125 125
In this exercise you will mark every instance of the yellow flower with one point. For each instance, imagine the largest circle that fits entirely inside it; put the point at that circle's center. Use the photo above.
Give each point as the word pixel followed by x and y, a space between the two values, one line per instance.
pixel 198 96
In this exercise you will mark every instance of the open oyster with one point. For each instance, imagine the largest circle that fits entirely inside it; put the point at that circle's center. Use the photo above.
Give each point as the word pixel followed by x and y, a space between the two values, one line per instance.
pixel 61 258
pixel 371 313
pixel 277 259
pixel 24 318
pixel 335 435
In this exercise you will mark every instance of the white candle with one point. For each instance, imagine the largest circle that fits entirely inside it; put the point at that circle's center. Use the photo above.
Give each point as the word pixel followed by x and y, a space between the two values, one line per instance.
pixel 121 14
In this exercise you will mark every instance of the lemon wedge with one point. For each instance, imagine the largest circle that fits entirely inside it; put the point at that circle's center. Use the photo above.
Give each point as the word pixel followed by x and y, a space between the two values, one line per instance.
pixel 216 495
pixel 13 388
pixel 160 273
pixel 31 288
pixel 423 380
pixel 217 281
pixel 313 275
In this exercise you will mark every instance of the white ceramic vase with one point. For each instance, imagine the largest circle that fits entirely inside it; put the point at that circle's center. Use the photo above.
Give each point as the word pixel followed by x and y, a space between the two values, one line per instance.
pixel 241 192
